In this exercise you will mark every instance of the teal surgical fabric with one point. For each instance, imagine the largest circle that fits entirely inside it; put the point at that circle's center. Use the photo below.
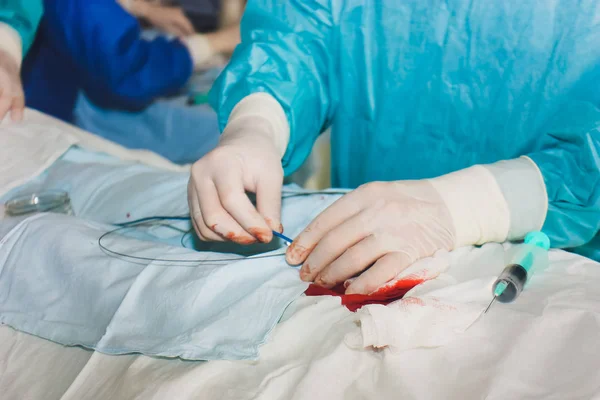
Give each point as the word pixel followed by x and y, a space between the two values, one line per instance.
pixel 57 283
pixel 417 89
pixel 23 16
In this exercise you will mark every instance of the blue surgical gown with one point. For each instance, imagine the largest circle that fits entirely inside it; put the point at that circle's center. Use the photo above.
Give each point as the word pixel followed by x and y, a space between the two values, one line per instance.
pixel 96 46
pixel 24 17
pixel 416 89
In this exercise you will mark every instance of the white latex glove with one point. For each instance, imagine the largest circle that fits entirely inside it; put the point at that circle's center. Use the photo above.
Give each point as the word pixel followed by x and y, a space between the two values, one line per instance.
pixel 248 158
pixel 12 98
pixel 389 225
pixel 382 228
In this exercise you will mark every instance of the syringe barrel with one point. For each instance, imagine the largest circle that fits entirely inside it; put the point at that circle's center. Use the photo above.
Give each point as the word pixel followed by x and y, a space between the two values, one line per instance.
pixel 515 277
pixel 533 254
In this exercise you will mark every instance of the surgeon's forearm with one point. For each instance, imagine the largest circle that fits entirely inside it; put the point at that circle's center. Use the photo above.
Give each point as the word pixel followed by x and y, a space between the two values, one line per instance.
pixel 202 51
pixel 495 202
pixel 570 166
pixel 10 42
pixel 225 40
pixel 204 48
pixel 259 114
pixel 24 17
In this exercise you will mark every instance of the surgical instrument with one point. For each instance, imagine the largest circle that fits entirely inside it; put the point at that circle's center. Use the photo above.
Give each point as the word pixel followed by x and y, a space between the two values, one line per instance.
pixel 510 283
pixel 286 239
pixel 54 201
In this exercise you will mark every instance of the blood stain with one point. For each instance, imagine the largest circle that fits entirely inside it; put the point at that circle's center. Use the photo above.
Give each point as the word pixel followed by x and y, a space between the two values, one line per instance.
pixel 413 300
pixel 401 284
pixel 239 239
pixel 260 234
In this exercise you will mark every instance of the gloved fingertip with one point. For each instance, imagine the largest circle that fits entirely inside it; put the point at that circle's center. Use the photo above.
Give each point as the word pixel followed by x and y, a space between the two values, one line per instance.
pixel 290 256
pixel 304 275
pixel 239 239
pixel 289 259
pixel 296 254
pixel 323 282
pixel 355 289
pixel 246 241
pixel 274 224
pixel 264 235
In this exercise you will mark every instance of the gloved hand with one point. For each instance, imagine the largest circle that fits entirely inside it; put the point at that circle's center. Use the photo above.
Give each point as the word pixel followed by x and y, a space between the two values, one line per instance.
pixel 248 158
pixel 388 225
pixel 382 228
pixel 12 97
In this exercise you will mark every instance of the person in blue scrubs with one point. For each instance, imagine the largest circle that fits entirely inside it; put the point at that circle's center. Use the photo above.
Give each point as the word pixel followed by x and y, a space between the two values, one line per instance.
pixel 19 21
pixel 458 123
pixel 97 47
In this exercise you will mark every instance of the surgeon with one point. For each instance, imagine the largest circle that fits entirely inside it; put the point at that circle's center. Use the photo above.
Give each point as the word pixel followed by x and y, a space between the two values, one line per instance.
pixel 458 123
pixel 97 47
pixel 19 20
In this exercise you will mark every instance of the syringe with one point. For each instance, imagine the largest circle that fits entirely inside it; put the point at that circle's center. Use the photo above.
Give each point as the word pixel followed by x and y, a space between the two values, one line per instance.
pixel 510 283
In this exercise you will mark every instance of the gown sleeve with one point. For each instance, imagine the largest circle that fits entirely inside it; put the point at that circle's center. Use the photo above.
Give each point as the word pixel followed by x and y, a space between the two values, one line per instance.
pixel 286 51
pixel 24 17
pixel 570 166
pixel 105 43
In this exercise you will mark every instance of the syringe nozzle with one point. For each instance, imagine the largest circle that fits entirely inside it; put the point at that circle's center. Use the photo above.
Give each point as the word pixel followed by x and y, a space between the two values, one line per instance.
pixel 500 288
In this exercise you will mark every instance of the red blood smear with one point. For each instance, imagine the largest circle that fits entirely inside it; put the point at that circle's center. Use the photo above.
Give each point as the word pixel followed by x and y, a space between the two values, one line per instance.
pixel 353 302
pixel 238 239
pixel 260 234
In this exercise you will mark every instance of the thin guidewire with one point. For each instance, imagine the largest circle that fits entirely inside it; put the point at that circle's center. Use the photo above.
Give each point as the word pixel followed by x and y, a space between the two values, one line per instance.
pixel 129 224
pixel 142 221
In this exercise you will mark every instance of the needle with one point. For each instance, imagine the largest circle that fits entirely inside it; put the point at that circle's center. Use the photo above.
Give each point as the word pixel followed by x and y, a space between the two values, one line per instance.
pixel 498 290
pixel 491 302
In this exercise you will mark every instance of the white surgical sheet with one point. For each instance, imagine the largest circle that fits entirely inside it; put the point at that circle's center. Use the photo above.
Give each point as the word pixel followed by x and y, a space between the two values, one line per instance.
pixel 27 148
pixel 44 148
pixel 543 346
pixel 431 314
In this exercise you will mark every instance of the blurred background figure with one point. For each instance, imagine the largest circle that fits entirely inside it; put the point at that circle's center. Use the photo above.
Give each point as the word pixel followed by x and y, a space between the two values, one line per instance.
pixel 18 23
pixel 186 17
pixel 132 71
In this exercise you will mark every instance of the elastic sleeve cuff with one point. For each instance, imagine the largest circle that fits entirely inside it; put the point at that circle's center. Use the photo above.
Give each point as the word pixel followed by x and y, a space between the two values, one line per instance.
pixel 478 209
pixel 10 41
pixel 524 190
pixel 265 109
